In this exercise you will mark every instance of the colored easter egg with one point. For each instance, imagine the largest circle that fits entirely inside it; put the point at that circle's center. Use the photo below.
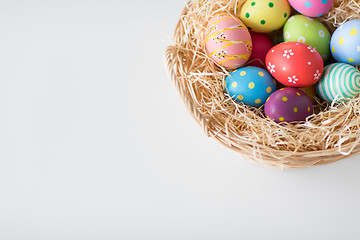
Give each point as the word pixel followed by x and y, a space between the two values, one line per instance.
pixel 312 8
pixel 228 41
pixel 262 43
pixel 288 105
pixel 265 16
pixel 345 43
pixel 250 85
pixel 303 29
pixel 310 92
pixel 295 64
pixel 339 81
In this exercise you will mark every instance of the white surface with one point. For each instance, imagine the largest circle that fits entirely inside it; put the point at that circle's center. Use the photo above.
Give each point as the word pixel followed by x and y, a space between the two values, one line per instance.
pixel 95 142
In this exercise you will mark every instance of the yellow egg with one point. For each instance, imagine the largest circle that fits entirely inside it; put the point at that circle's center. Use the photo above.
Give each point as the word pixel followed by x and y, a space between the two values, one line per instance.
pixel 265 16
pixel 310 92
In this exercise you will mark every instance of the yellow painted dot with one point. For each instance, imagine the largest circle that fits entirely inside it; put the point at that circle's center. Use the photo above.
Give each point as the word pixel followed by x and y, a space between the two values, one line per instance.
pixel 281 119
pixel 251 85
pixel 297 93
pixel 282 89
pixel 234 84
pixel 284 99
pixel 257 101
pixel 268 90
pixel 353 32
pixel 268 99
pixel 308 109
pixel 341 41
pixel 333 49
pixel 243 73
pixel 261 74
pixel 295 109
pixel 240 97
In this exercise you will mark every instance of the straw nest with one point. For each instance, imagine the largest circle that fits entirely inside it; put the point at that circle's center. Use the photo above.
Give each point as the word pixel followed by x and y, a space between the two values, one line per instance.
pixel 330 134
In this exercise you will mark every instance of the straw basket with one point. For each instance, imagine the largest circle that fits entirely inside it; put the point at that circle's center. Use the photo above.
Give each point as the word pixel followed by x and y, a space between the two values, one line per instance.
pixel 330 134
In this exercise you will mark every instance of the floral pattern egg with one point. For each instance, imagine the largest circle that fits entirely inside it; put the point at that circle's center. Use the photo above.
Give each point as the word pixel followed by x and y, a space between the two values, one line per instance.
pixel 303 29
pixel 312 8
pixel 250 85
pixel 264 16
pixel 295 64
pixel 228 41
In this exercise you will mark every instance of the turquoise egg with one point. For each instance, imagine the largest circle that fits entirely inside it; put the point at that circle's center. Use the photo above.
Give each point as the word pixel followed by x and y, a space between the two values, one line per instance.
pixel 345 43
pixel 250 85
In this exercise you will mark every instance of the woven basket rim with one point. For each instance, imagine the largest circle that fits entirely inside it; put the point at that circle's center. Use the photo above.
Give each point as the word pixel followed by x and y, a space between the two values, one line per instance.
pixel 283 160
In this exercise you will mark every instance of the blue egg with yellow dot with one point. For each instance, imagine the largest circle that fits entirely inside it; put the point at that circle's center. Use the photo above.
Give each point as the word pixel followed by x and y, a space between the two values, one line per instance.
pixel 345 43
pixel 250 85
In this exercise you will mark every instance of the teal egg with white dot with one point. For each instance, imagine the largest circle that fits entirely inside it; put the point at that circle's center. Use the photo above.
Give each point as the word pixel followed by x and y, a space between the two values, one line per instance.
pixel 250 85
pixel 300 28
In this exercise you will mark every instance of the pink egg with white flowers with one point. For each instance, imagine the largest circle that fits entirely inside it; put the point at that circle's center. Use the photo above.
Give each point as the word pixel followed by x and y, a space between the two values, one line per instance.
pixel 312 8
pixel 228 41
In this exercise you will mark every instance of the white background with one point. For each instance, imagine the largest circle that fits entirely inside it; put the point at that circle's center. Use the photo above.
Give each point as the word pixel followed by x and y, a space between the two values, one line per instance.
pixel 95 142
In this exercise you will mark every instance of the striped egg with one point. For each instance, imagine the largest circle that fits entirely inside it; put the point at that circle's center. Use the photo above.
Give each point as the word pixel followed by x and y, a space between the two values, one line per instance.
pixel 340 81
pixel 228 41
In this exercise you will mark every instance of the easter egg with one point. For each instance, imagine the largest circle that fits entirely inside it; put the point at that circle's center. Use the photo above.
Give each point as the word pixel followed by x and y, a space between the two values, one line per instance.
pixel 345 43
pixel 250 85
pixel 295 64
pixel 228 41
pixel 265 16
pixel 288 105
pixel 339 81
pixel 310 92
pixel 303 29
pixel 312 8
pixel 262 43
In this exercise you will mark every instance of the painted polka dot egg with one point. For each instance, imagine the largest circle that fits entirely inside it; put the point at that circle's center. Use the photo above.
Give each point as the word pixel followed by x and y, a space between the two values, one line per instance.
pixel 228 41
pixel 300 28
pixel 339 82
pixel 345 43
pixel 250 85
pixel 288 105
pixel 264 16
pixel 312 8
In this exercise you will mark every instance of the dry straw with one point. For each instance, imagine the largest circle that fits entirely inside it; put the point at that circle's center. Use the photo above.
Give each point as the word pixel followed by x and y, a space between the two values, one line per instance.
pixel 330 134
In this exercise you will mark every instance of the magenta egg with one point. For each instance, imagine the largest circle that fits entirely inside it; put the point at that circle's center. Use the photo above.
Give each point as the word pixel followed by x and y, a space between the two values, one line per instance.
pixel 312 8
pixel 288 105
pixel 261 43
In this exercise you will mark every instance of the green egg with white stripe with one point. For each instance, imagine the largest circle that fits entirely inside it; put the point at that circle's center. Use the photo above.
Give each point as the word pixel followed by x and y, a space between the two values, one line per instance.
pixel 339 81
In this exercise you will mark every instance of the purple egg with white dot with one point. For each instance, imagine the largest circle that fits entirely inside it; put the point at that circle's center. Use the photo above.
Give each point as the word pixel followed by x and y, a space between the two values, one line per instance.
pixel 288 105
pixel 312 8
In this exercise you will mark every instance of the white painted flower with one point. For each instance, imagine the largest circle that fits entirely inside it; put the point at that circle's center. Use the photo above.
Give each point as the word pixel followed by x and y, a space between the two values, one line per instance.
pixel 321 33
pixel 288 53
pixel 306 25
pixel 293 79
pixel 287 35
pixel 290 19
pixel 317 75
pixel 310 19
pixel 312 49
pixel 271 67
pixel 301 39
